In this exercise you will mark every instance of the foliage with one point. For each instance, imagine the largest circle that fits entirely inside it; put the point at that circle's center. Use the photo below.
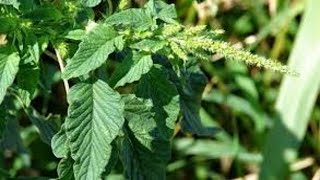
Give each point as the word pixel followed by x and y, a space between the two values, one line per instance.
pixel 135 82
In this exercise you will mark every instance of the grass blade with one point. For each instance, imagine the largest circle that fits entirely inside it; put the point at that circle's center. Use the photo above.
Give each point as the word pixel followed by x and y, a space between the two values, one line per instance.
pixel 296 99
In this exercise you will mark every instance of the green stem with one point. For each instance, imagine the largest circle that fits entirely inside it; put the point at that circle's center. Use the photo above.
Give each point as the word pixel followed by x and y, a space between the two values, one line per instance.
pixel 110 7
pixel 61 65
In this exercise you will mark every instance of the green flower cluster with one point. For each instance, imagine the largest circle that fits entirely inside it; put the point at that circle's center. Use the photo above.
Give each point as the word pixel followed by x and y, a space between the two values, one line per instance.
pixel 200 42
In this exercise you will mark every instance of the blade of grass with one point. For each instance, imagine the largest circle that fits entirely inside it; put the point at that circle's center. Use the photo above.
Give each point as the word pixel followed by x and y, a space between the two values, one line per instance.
pixel 296 99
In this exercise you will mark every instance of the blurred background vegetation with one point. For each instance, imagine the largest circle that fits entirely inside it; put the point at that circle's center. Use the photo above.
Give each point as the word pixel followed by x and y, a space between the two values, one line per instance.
pixel 246 103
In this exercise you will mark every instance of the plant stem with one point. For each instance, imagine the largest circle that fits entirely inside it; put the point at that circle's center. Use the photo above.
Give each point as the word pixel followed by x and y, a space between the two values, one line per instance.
pixel 51 55
pixel 61 65
pixel 110 8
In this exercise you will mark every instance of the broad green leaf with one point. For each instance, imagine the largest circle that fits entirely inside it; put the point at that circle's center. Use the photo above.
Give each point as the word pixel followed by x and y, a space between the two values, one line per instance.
pixel 95 117
pixel 9 66
pixel 144 151
pixel 60 144
pixel 29 71
pixel 60 148
pixel 8 2
pixel 65 171
pixel 90 3
pixel 14 3
pixel 161 10
pixel 296 99
pixel 190 88
pixel 134 18
pixel 149 45
pixel 156 86
pixel 93 51
pixel 77 34
pixel 131 69
pixel 27 81
pixel 34 46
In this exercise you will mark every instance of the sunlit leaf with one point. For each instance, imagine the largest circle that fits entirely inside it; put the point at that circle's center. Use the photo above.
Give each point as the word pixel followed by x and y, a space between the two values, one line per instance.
pixel 9 66
pixel 95 117
pixel 131 69
pixel 144 151
pixel 92 53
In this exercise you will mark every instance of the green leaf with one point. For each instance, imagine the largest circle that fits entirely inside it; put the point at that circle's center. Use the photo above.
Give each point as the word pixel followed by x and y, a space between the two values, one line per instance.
pixel 60 144
pixel 9 66
pixel 8 2
pixel 131 69
pixel 90 3
pixel 46 128
pixel 119 42
pixel 145 152
pixel 149 45
pixel 77 34
pixel 65 171
pixel 151 122
pixel 15 3
pixel 134 18
pixel 190 88
pixel 95 117
pixel 27 81
pixel 60 148
pixel 92 52
pixel 161 10
pixel 29 71
pixel 156 86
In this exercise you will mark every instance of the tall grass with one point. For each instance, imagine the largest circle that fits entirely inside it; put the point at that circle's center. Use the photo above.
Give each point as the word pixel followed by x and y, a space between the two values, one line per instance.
pixel 296 99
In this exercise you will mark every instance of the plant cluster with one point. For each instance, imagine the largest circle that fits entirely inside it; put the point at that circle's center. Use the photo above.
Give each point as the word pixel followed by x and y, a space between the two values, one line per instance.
pixel 134 75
